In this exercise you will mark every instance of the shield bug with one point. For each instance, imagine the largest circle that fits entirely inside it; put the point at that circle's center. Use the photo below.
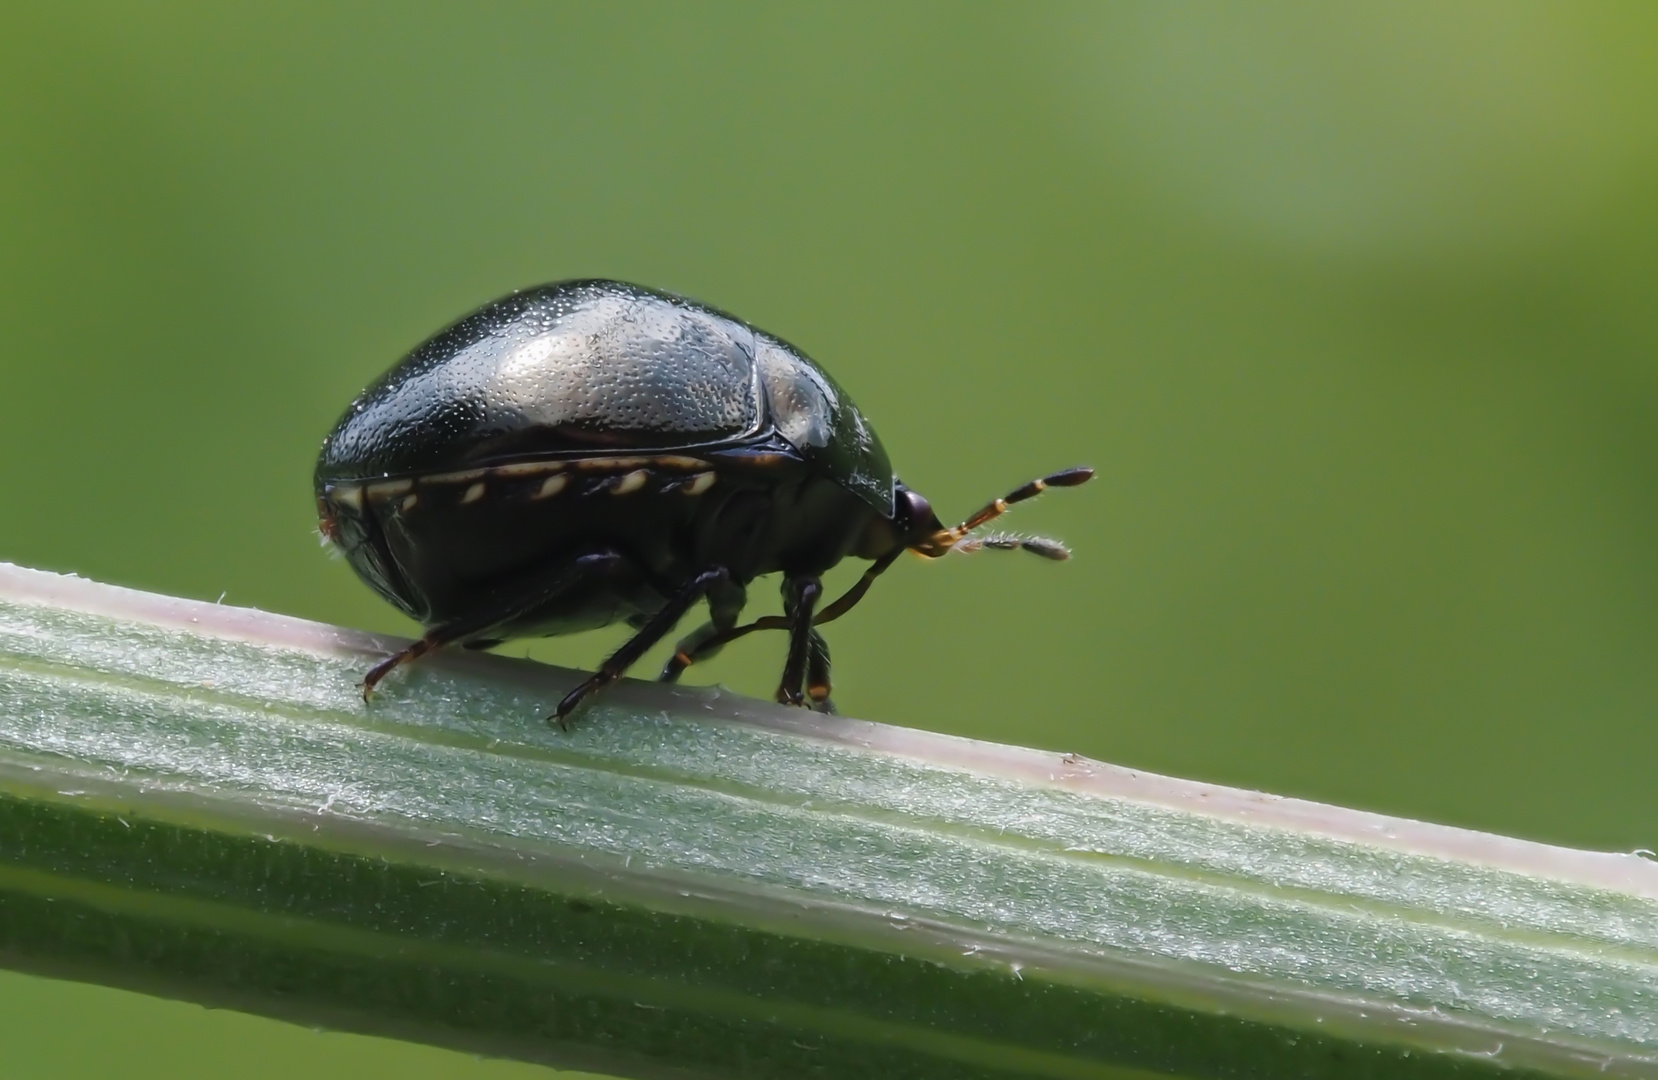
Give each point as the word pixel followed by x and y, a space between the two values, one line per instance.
pixel 590 451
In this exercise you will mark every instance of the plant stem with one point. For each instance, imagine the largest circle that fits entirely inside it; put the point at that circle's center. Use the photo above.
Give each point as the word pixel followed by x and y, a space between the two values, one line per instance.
pixel 196 802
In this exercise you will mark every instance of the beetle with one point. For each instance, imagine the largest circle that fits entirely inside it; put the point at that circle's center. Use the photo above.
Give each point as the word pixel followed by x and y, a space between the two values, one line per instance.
pixel 589 451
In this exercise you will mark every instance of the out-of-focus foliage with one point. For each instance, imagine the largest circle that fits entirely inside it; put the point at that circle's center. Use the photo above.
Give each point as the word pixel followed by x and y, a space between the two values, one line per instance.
pixel 1352 307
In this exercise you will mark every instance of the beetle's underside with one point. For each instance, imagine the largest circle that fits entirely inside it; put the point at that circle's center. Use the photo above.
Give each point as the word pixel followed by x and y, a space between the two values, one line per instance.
pixel 486 553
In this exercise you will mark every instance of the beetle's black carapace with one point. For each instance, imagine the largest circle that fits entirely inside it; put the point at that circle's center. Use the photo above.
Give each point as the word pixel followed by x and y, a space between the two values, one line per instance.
pixel 591 451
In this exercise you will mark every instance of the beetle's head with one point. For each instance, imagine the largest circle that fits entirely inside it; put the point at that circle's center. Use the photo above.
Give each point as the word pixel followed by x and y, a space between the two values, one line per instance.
pixel 914 525
pixel 913 521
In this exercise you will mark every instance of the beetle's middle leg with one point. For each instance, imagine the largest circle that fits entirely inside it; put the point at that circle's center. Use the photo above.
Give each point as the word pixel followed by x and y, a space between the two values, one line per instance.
pixel 653 631
pixel 712 636
pixel 724 605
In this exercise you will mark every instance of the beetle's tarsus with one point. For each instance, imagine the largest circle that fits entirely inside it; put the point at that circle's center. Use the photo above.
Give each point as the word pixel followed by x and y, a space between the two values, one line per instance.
pixel 561 715
pixel 415 651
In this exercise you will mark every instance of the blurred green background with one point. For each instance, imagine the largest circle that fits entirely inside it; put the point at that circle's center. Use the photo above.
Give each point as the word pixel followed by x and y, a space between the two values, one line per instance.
pixel 1353 308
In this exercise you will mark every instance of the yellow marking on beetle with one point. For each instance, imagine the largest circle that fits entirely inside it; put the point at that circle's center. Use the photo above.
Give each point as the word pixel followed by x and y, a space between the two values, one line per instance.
pixel 386 489
pixel 551 486
pixel 630 483
pixel 759 461
pixel 527 468
pixel 473 493
pixel 674 461
pixel 347 495
pixel 609 464
pixel 410 501
pixel 700 483
pixel 465 476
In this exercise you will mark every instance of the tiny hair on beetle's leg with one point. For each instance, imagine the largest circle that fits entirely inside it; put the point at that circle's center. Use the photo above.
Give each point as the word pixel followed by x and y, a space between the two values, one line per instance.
pixel 942 541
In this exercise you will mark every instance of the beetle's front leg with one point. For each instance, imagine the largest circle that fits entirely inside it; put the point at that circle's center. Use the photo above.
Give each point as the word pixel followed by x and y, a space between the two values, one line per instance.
pixel 817 674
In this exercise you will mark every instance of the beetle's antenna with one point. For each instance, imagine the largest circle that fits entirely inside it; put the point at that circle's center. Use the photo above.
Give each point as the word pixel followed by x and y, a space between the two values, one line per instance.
pixel 1044 546
pixel 942 541
pixel 932 546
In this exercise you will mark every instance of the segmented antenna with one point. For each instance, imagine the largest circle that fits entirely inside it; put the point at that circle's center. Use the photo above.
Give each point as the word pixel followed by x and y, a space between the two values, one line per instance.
pixel 945 539
pixel 1044 546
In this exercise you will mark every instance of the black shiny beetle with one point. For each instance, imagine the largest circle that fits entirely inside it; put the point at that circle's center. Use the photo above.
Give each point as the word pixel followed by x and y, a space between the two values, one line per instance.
pixel 590 451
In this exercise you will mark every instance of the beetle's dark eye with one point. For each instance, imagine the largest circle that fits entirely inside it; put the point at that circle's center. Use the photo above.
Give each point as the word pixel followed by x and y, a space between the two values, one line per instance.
pixel 920 511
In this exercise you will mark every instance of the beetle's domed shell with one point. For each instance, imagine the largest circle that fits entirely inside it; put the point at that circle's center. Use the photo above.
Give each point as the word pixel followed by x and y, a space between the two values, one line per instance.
pixel 818 419
pixel 572 367
pixel 588 367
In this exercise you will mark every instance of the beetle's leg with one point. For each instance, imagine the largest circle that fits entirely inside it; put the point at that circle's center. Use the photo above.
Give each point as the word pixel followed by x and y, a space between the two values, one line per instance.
pixel 706 641
pixel 433 639
pixel 689 650
pixel 724 605
pixel 939 542
pixel 653 631
pixel 817 674
pixel 800 597
pixel 500 605
pixel 706 644
pixel 849 599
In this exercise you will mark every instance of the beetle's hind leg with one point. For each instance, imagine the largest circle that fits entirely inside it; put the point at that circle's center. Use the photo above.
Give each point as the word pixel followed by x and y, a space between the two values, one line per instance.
pixel 703 643
pixel 500 605
pixel 433 639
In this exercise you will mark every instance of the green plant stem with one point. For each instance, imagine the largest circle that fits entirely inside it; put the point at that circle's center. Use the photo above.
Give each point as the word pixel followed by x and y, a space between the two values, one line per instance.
pixel 196 802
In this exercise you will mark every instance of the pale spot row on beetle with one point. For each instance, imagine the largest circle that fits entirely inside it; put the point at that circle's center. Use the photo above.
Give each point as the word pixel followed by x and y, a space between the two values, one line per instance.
pixel 630 474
